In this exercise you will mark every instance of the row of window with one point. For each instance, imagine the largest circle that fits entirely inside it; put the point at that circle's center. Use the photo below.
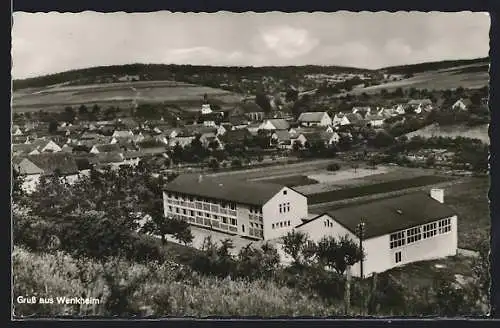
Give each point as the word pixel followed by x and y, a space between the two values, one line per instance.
pixel 415 234
pixel 256 225
pixel 285 207
pixel 255 210
pixel 281 224
pixel 191 213
pixel 328 223
pixel 207 222
pixel 229 205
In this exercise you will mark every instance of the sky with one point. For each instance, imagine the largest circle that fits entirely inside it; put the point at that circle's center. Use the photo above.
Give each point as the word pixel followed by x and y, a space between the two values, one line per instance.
pixel 46 43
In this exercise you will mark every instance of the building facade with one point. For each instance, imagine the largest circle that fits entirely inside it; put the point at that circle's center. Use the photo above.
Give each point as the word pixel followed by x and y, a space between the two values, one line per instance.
pixel 258 211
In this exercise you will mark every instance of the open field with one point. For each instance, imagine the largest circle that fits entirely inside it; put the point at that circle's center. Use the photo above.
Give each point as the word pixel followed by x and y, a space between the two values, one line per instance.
pixel 477 132
pixel 291 181
pixel 145 91
pixel 470 201
pixel 468 76
pixel 376 188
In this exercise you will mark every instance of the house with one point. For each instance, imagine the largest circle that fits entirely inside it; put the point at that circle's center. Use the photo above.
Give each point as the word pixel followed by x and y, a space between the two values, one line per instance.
pixel 340 119
pixel 113 160
pixel 34 166
pixel 355 119
pixel 37 146
pixel 238 122
pixel 375 120
pixel 106 148
pixel 251 209
pixel 123 134
pixel 274 124
pixel 297 138
pixel 394 233
pixel 419 105
pixel 183 139
pixel 207 138
pixel 205 109
pixel 462 104
pixel 282 139
pixel 253 128
pixel 16 131
pixel 236 137
pixel 315 119
pixel 328 139
pixel 249 109
pixel 400 109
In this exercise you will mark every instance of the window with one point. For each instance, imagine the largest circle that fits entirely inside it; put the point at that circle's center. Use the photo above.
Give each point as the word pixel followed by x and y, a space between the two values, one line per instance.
pixel 284 192
pixel 414 235
pixel 176 210
pixel 288 207
pixel 429 230
pixel 288 223
pixel 234 222
pixel 192 213
pixel 444 226
pixel 170 208
pixel 243 228
pixel 397 257
pixel 281 208
pixel 207 215
pixel 272 225
pixel 397 239
pixel 224 220
pixel 199 213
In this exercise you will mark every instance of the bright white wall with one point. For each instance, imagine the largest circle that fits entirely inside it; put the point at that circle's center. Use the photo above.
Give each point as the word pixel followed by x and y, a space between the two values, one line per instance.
pixel 271 214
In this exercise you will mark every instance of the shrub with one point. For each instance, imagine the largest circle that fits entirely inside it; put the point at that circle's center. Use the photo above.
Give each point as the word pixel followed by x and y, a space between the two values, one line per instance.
pixel 333 167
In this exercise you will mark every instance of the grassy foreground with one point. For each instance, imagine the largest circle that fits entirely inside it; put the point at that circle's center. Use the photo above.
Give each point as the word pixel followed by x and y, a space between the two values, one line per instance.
pixel 131 289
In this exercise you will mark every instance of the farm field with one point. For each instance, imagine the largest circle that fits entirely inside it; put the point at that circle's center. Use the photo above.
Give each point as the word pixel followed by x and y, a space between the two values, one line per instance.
pixel 477 132
pixel 470 201
pixel 145 91
pixel 470 76
pixel 376 188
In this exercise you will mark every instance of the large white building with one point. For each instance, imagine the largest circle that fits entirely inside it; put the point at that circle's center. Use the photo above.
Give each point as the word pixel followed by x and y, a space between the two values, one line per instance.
pixel 248 209
pixel 397 231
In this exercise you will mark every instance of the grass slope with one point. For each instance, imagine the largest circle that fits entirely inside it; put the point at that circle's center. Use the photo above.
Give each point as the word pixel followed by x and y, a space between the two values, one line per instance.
pixel 452 131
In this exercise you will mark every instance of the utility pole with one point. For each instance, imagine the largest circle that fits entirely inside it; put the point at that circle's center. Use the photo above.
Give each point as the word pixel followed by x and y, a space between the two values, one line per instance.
pixel 361 231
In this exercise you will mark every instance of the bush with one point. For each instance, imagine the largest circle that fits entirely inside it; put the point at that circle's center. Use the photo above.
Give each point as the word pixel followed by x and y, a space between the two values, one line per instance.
pixel 333 167
pixel 236 163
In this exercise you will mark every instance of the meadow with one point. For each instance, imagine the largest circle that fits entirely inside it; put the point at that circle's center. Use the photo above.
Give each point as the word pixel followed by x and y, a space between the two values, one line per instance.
pixel 145 91
pixel 467 76
pixel 477 132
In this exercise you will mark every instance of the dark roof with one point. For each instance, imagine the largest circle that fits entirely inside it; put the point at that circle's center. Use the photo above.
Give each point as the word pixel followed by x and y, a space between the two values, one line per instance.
pixel 248 106
pixel 52 161
pixel 311 116
pixel 108 148
pixel 228 189
pixel 106 158
pixel 237 135
pixel 381 216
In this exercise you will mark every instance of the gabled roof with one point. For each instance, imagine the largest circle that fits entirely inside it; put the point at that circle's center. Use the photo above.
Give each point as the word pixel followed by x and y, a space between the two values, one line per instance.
pixel 420 102
pixel 230 190
pixel 374 117
pixel 279 124
pixel 311 116
pixel 465 101
pixel 354 117
pixel 108 148
pixel 106 158
pixel 248 106
pixel 282 135
pixel 52 161
pixel 384 216
pixel 235 136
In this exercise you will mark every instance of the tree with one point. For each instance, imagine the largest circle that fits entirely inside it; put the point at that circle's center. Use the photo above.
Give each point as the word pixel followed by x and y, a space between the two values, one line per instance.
pixel 82 110
pixel 291 95
pixel 236 163
pixel 53 125
pixel 263 102
pixel 293 244
pixel 338 255
pixel 213 163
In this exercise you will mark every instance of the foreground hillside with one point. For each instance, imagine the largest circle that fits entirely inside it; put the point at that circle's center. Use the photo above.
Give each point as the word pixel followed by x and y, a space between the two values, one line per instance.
pixel 452 131
pixel 127 288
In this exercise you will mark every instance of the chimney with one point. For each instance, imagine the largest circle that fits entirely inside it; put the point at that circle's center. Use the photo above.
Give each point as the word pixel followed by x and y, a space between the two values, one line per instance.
pixel 200 178
pixel 438 194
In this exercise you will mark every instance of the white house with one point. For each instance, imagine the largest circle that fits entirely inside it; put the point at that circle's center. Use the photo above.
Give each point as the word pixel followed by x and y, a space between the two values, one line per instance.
pixel 251 209
pixel 394 232
pixel 419 105
pixel 462 104
pixel 123 134
pixel 274 124
pixel 375 120
pixel 315 119
pixel 16 131
pixel 340 119
pixel 205 109
pixel 34 166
